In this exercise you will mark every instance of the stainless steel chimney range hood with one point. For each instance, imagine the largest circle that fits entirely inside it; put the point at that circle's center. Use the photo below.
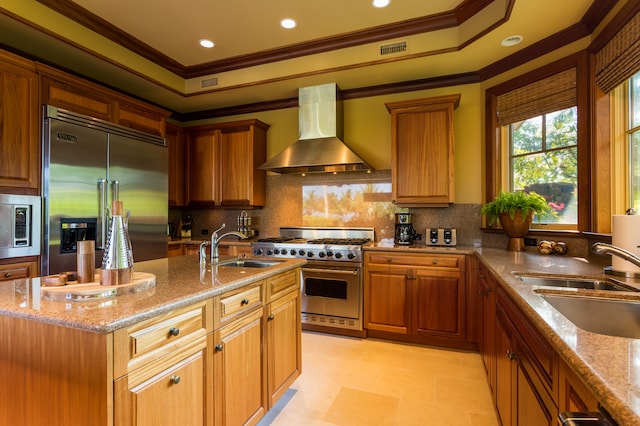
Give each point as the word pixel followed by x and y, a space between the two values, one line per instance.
pixel 320 148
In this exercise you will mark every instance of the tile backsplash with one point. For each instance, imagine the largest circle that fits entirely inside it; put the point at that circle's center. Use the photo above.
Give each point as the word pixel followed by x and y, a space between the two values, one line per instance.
pixel 288 205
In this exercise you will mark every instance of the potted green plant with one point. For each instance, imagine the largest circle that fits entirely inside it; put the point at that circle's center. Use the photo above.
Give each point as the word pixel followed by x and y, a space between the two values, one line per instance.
pixel 515 212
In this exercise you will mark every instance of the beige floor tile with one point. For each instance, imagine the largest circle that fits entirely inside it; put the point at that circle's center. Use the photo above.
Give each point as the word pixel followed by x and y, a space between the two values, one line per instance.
pixel 361 382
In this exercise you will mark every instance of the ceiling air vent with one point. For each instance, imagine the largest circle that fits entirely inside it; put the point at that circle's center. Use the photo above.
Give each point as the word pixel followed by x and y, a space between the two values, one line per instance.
pixel 209 82
pixel 393 49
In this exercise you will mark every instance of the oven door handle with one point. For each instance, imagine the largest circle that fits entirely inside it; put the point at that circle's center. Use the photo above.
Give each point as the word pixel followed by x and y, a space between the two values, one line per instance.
pixel 331 271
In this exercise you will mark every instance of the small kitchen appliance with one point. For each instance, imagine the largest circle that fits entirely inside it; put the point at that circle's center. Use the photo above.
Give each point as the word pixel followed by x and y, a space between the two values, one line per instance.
pixel 185 228
pixel 441 236
pixel 405 232
pixel 331 280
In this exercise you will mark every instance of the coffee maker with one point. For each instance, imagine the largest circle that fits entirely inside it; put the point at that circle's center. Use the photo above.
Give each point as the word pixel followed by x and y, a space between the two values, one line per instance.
pixel 405 232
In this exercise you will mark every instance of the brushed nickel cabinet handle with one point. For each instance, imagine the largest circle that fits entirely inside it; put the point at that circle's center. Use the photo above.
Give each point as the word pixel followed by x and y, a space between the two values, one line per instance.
pixel 174 331
pixel 175 379
pixel 219 347
pixel 244 301
pixel 270 317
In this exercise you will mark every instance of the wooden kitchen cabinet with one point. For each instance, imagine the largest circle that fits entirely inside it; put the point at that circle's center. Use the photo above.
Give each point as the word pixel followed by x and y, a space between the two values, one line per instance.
pixel 22 269
pixel 416 297
pixel 487 313
pixel 574 395
pixel 177 165
pixel 283 333
pixel 422 151
pixel 69 92
pixel 240 391
pixel 223 161
pixel 163 369
pixel 20 126
pixel 526 370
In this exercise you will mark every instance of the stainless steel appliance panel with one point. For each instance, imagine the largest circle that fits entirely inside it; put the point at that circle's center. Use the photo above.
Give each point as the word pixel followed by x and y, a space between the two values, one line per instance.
pixel 139 170
pixel 332 292
pixel 86 164
pixel 20 219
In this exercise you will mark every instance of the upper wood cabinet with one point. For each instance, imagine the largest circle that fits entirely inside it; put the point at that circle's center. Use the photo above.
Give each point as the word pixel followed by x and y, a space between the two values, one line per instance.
pixel 223 164
pixel 422 151
pixel 19 128
pixel 177 165
pixel 75 94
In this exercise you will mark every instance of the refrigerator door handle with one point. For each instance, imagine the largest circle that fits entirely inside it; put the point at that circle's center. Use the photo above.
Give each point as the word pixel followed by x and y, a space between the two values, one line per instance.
pixel 115 190
pixel 102 214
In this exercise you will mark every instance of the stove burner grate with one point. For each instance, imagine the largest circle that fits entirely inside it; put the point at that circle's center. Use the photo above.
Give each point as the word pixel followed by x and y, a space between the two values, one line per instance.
pixel 276 239
pixel 340 241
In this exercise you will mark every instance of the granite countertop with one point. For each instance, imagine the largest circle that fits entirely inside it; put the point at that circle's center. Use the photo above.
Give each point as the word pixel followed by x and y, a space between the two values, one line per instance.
pixel 224 242
pixel 609 365
pixel 179 282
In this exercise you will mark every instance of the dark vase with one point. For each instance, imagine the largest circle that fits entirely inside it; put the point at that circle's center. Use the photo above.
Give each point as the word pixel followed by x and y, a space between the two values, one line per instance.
pixel 516 229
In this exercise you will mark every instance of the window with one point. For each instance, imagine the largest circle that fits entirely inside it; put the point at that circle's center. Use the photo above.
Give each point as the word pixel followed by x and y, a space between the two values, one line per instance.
pixel 543 158
pixel 633 139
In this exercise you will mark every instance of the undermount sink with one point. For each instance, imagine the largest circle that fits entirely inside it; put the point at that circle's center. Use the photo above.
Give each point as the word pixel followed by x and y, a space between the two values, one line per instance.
pixel 613 317
pixel 250 263
pixel 573 282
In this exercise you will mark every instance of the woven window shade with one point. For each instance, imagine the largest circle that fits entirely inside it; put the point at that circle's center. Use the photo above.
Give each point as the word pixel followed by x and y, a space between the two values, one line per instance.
pixel 619 59
pixel 550 94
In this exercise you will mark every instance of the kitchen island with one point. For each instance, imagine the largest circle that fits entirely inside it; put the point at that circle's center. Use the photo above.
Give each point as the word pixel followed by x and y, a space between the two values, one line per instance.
pixel 167 355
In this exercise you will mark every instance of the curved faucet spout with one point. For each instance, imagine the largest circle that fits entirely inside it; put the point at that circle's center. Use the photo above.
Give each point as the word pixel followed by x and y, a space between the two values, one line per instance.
pixel 604 248
pixel 215 240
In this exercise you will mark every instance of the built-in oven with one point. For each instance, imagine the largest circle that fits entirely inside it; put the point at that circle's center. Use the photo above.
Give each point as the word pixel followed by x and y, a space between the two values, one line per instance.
pixel 331 295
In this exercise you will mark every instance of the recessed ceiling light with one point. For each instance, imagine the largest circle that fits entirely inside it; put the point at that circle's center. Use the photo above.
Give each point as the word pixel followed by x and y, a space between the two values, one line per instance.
pixel 206 43
pixel 380 3
pixel 511 40
pixel 288 23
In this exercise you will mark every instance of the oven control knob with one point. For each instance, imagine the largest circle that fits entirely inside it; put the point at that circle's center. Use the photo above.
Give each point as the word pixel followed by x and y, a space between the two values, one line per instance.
pixel 276 251
pixel 351 256
pixel 310 254
pixel 321 254
pixel 269 252
pixel 301 252
pixel 329 253
pixel 292 252
pixel 338 255
pixel 259 252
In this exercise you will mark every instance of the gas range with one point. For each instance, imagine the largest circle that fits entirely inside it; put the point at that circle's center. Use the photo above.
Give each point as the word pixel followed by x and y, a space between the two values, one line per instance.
pixel 317 244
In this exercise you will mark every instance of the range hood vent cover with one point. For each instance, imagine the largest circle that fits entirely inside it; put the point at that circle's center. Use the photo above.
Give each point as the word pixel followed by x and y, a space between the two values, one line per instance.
pixel 320 148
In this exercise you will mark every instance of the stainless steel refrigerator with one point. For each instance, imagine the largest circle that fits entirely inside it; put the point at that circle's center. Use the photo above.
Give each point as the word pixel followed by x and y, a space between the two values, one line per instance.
pixel 87 163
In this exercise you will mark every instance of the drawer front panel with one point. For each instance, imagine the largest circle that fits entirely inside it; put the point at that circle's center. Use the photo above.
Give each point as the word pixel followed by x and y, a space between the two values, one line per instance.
pixel 241 301
pixel 436 261
pixel 282 284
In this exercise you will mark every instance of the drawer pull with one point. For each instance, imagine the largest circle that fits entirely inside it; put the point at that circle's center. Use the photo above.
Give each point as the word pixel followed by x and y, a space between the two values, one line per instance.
pixel 174 331
pixel 244 301
pixel 219 347
pixel 389 259
pixel 512 356
pixel 8 275
pixel 270 317
pixel 434 261
pixel 175 379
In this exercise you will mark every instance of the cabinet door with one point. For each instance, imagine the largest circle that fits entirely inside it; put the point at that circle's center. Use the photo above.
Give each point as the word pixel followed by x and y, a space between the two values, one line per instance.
pixel 202 167
pixel 386 296
pixel 235 161
pixel 169 395
pixel 422 155
pixel 438 303
pixel 486 292
pixel 532 409
pixel 575 396
pixel 177 166
pixel 240 389
pixel 19 128
pixel 284 344
pixel 505 386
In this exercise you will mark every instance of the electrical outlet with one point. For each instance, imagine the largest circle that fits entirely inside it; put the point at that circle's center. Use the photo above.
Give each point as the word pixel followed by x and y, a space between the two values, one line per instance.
pixel 204 231
pixel 530 242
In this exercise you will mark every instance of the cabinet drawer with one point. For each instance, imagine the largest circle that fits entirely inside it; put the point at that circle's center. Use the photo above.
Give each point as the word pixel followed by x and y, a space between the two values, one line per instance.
pixel 151 339
pixel 243 300
pixel 427 260
pixel 14 272
pixel 282 284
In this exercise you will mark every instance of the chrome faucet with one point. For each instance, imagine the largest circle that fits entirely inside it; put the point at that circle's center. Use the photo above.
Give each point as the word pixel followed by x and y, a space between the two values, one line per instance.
pixel 604 248
pixel 215 239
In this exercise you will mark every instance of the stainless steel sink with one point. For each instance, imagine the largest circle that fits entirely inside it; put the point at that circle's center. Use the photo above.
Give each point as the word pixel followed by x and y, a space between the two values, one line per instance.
pixel 574 282
pixel 250 263
pixel 613 317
